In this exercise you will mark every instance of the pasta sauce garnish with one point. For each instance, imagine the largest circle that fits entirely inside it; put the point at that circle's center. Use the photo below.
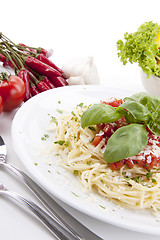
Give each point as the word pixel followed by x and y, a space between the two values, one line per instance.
pixel 147 158
pixel 133 182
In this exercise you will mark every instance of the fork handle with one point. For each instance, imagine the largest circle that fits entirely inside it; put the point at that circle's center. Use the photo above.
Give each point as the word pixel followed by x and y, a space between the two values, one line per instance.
pixel 78 230
pixel 57 230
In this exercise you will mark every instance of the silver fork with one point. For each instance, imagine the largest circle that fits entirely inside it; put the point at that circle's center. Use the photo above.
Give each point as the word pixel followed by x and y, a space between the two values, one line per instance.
pixel 78 230
pixel 56 229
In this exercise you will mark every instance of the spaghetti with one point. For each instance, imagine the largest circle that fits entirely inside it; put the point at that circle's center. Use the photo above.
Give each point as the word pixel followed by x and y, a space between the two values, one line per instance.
pixel 131 186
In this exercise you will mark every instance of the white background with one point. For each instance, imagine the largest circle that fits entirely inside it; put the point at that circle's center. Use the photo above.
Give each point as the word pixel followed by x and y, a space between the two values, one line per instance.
pixel 72 28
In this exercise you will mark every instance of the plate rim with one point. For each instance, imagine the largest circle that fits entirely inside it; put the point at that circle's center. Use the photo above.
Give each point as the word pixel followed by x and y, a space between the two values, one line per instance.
pixel 38 176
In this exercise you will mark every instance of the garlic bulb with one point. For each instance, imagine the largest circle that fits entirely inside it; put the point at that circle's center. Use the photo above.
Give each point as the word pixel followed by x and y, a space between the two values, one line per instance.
pixel 79 80
pixel 81 71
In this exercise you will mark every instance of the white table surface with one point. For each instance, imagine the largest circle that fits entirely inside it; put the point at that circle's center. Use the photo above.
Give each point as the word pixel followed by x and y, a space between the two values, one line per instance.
pixel 72 28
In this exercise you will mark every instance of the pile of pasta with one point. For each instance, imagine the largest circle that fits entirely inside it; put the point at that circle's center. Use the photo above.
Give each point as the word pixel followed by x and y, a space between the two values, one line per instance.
pixel 134 188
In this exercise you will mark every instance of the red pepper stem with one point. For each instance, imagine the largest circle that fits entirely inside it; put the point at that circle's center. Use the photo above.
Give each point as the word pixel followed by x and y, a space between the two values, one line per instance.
pixel 19 46
pixel 6 39
pixel 10 59
pixel 25 48
pixel 33 77
pixel 15 56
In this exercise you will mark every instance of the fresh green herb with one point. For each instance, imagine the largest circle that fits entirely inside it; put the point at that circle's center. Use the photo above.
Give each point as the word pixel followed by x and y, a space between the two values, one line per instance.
pixel 141 110
pixel 61 143
pixel 102 206
pixel 46 135
pixel 127 178
pixel 91 140
pixel 35 164
pixel 66 143
pixel 60 111
pixel 74 194
pixel 59 102
pixel 149 175
pixel 73 113
pixel 153 180
pixel 54 120
pixel 126 141
pixel 80 105
pixel 92 128
pixel 43 138
pixel 89 163
pixel 141 47
pixel 136 179
pixel 75 172
pixel 99 113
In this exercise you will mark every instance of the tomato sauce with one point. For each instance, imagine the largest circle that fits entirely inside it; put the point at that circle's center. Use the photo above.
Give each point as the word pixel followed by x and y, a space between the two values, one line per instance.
pixel 147 158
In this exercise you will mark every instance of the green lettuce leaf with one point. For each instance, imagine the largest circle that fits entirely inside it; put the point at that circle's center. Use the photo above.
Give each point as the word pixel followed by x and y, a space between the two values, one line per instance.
pixel 141 47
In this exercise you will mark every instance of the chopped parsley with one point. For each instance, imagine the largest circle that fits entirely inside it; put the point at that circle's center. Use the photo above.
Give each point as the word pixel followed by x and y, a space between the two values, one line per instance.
pixel 80 105
pixel 102 206
pixel 60 111
pixel 74 194
pixel 54 120
pixel 149 175
pixel 75 172
pixel 92 128
pixel 61 143
pixel 44 137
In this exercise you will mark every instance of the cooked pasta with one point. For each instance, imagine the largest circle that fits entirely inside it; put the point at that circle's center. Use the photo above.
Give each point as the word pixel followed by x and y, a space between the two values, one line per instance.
pixel 135 187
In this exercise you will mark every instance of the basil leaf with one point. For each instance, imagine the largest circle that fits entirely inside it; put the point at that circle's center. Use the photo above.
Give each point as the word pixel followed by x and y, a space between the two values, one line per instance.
pixel 100 113
pixel 154 126
pixel 139 112
pixel 150 102
pixel 153 105
pixel 127 141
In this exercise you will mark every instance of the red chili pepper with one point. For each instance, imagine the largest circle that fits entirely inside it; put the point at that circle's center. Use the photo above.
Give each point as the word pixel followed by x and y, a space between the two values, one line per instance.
pixel 2 58
pixel 41 67
pixel 34 90
pixel 48 82
pixel 24 75
pixel 44 59
pixel 22 44
pixel 42 86
pixel 59 81
pixel 8 64
pixel 46 53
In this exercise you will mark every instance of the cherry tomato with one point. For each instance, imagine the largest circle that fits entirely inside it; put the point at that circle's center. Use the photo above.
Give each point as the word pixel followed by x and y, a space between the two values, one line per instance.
pixel 12 92
pixel 1 104
pixel 97 140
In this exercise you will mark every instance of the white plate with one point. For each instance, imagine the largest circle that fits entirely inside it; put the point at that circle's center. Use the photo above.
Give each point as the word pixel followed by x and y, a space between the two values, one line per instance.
pixel 31 123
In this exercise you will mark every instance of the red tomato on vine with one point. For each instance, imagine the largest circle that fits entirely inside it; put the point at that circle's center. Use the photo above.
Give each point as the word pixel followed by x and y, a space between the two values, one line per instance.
pixel 12 91
pixel 1 104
